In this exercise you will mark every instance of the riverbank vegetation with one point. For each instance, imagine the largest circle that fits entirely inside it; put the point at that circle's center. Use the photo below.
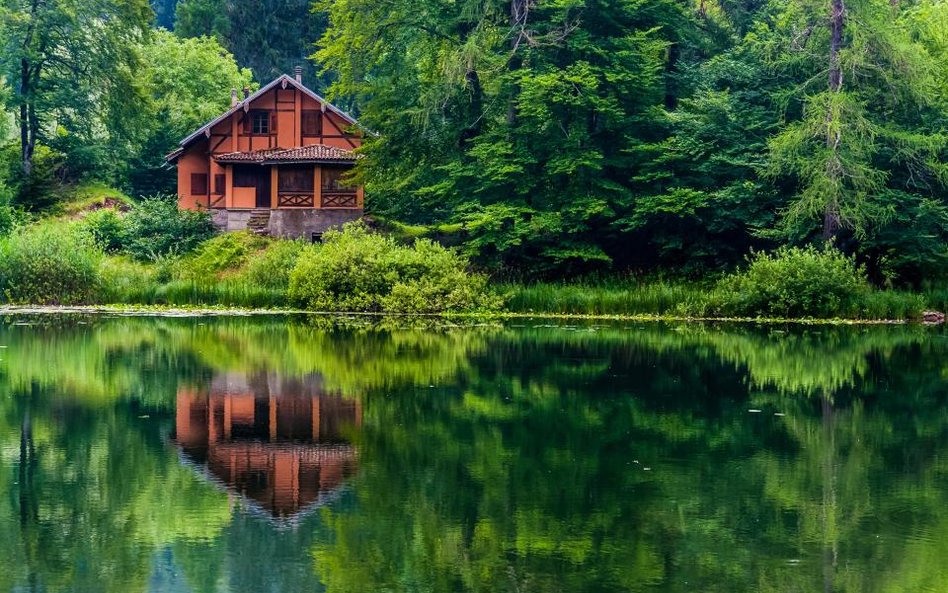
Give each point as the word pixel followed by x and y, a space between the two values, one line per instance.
pixel 147 252
pixel 661 158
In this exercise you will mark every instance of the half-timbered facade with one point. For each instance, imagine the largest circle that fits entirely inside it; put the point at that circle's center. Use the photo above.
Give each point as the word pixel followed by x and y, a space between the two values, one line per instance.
pixel 275 163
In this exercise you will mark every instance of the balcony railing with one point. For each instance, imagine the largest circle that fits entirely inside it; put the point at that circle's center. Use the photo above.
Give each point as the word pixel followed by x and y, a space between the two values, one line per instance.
pixel 337 199
pixel 295 200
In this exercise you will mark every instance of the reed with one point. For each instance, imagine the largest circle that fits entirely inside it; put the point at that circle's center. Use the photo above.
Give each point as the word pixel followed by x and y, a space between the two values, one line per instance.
pixel 607 298
pixel 665 298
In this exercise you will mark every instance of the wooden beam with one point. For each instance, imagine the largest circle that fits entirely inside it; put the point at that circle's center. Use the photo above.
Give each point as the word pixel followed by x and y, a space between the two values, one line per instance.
pixel 274 189
pixel 318 187
pixel 343 134
pixel 298 117
pixel 235 144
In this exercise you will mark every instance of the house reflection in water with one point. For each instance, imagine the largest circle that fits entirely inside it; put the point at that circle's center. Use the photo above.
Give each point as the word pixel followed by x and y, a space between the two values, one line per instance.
pixel 280 443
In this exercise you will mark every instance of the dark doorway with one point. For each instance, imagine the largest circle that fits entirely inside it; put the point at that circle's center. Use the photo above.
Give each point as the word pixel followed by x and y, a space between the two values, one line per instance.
pixel 257 177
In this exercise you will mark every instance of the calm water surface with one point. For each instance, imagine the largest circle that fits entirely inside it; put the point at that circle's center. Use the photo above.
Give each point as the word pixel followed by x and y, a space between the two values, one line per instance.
pixel 288 456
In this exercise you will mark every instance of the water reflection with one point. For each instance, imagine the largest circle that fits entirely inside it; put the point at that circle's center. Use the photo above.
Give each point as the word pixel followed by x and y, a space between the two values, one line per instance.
pixel 532 459
pixel 280 443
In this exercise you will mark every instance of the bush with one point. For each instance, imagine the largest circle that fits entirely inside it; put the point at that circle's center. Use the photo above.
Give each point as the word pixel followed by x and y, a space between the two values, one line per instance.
pixel 222 253
pixel 355 270
pixel 155 227
pixel 271 267
pixel 49 264
pixel 44 188
pixel 106 227
pixel 794 282
pixel 127 281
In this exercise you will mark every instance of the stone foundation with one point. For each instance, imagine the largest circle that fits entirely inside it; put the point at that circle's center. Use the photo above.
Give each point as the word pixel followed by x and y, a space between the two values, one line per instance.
pixel 297 223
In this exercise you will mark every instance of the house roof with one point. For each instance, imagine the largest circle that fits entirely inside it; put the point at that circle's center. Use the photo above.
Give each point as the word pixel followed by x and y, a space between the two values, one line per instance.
pixel 315 153
pixel 284 81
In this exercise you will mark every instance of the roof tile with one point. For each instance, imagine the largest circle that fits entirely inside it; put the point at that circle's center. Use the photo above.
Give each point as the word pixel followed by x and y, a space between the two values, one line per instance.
pixel 314 152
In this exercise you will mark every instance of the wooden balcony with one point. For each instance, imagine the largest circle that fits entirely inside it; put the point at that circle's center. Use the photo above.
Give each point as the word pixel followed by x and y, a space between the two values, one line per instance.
pixel 295 200
pixel 339 199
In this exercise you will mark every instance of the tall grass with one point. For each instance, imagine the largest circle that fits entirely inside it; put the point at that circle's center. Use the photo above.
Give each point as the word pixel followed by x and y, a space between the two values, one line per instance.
pixel 689 299
pixel 609 298
pixel 228 293
pixel 127 282
pixel 48 264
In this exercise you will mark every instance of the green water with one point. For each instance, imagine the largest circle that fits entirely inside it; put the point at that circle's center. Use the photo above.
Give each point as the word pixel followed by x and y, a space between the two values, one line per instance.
pixel 288 455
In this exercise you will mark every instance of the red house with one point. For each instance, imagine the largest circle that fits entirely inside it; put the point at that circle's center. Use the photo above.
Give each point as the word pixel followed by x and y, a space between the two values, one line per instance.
pixel 274 163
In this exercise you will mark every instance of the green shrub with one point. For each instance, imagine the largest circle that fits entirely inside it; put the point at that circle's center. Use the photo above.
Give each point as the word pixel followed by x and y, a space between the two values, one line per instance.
pixel 126 281
pixel 355 270
pixel 49 264
pixel 11 218
pixel 793 282
pixel 107 228
pixel 223 253
pixel 271 267
pixel 44 188
pixel 155 227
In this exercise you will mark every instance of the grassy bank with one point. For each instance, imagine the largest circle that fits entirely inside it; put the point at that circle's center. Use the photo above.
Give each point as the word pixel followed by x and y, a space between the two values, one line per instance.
pixel 147 253
pixel 688 300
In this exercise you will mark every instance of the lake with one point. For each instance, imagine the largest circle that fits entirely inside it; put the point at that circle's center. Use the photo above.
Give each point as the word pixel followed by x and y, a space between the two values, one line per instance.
pixel 287 455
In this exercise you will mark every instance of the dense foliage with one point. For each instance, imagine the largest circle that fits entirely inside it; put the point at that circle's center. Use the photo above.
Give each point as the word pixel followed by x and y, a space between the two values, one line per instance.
pixel 271 37
pixel 355 270
pixel 796 282
pixel 155 227
pixel 570 136
pixel 49 265
pixel 542 139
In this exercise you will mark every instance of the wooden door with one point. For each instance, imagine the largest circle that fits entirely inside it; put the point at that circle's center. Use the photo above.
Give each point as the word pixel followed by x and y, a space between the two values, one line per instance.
pixel 257 177
pixel 263 188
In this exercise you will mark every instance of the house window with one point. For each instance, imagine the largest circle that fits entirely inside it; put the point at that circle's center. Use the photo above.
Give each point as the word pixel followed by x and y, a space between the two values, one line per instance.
pixel 333 180
pixel 198 184
pixel 296 180
pixel 312 124
pixel 246 176
pixel 260 123
pixel 220 183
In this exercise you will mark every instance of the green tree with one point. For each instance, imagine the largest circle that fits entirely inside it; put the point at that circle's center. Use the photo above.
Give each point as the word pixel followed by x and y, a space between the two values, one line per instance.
pixel 516 122
pixel 189 82
pixel 73 68
pixel 862 123
pixel 269 37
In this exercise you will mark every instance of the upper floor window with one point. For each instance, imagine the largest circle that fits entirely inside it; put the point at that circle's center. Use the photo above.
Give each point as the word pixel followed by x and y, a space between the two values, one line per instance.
pixel 312 123
pixel 259 122
pixel 198 184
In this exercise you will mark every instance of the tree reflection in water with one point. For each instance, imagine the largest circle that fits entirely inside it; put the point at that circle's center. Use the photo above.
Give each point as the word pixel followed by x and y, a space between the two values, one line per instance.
pixel 611 458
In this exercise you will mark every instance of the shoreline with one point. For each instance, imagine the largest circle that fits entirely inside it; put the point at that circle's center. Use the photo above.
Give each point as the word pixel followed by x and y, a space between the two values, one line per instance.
pixel 204 311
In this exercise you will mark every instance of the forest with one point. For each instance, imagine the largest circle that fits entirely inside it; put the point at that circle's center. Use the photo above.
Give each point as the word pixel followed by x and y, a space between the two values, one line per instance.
pixel 544 140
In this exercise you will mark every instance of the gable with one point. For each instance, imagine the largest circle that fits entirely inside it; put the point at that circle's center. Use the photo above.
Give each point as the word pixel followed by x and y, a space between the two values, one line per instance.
pixel 282 114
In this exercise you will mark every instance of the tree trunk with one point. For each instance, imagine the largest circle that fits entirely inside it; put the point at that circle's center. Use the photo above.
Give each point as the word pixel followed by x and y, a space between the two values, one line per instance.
pixel 671 98
pixel 831 215
pixel 27 117
pixel 473 82
pixel 519 10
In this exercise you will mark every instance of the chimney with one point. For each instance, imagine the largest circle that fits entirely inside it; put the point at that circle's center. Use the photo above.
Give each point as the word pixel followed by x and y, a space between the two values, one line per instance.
pixel 298 71
pixel 233 98
pixel 246 93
